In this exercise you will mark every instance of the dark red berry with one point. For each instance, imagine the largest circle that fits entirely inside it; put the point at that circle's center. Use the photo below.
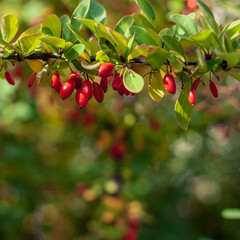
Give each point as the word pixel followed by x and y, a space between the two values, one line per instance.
pixel 195 84
pixel 192 96
pixel 80 98
pixel 55 79
pixel 73 75
pixel 32 79
pixel 169 83
pixel 104 84
pixel 122 90
pixel 213 89
pixel 78 82
pixel 9 78
pixel 134 223
pixel 133 93
pixel 118 150
pixel 106 70
pixel 67 88
pixel 130 234
pixel 87 89
pixel 58 86
pixel 116 82
pixel 98 92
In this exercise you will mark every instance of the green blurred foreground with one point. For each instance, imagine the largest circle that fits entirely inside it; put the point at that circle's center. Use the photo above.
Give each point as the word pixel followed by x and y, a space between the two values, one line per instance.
pixel 60 177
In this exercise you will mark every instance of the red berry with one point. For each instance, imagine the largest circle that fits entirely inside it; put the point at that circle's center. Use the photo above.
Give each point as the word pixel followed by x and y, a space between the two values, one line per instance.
pixel 73 75
pixel 55 79
pixel 87 89
pixel 169 83
pixel 58 86
pixel 133 93
pixel 98 92
pixel 134 223
pixel 67 88
pixel 130 234
pixel 122 90
pixel 118 150
pixel 106 70
pixel 213 89
pixel 192 96
pixel 80 98
pixel 32 79
pixel 195 84
pixel 192 5
pixel 78 82
pixel 9 78
pixel 104 84
pixel 116 82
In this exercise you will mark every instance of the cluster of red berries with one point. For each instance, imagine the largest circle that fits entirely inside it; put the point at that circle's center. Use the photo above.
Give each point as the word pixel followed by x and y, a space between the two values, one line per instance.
pixel 132 231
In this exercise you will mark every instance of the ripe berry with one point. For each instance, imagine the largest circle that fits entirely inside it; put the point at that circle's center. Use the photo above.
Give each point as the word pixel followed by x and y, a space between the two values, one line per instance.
pixel 195 84
pixel 105 70
pixel 98 92
pixel 55 79
pixel 78 82
pixel 116 82
pixel 9 78
pixel 213 89
pixel 122 90
pixel 130 234
pixel 58 86
pixel 118 150
pixel 87 89
pixel 67 88
pixel 80 98
pixel 32 79
pixel 169 83
pixel 73 75
pixel 104 84
pixel 192 96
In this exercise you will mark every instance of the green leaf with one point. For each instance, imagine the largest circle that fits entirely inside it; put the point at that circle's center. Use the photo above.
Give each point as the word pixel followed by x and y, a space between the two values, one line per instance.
pixel 226 43
pixel 175 63
pixel 9 27
pixel 137 52
pixel 102 57
pixel 80 12
pixel 124 24
pixel 174 45
pixel 78 36
pixel 213 64
pixel 186 23
pixel 183 109
pixel 133 81
pixel 108 48
pixel 233 29
pixel 156 88
pixel 54 43
pixel 142 21
pixel 52 26
pixel 65 29
pixel 201 61
pixel 35 29
pixel 232 58
pixel 156 58
pixel 90 24
pixel 209 17
pixel 96 12
pixel 119 39
pixel 234 75
pixel 73 52
pixel 147 8
pixel 203 39
pixel 130 46
pixel 146 36
pixel 90 66
pixel 29 42
pixel 231 213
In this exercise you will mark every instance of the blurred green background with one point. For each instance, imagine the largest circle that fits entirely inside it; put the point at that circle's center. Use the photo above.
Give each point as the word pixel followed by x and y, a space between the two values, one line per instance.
pixel 100 172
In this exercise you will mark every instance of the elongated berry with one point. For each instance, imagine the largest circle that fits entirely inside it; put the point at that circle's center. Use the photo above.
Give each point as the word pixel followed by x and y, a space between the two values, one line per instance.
pixel 9 78
pixel 87 89
pixel 116 82
pixel 58 86
pixel 55 79
pixel 104 84
pixel 67 88
pixel 106 70
pixel 98 92
pixel 80 98
pixel 213 89
pixel 195 84
pixel 78 82
pixel 122 90
pixel 73 75
pixel 169 83
pixel 192 96
pixel 32 79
